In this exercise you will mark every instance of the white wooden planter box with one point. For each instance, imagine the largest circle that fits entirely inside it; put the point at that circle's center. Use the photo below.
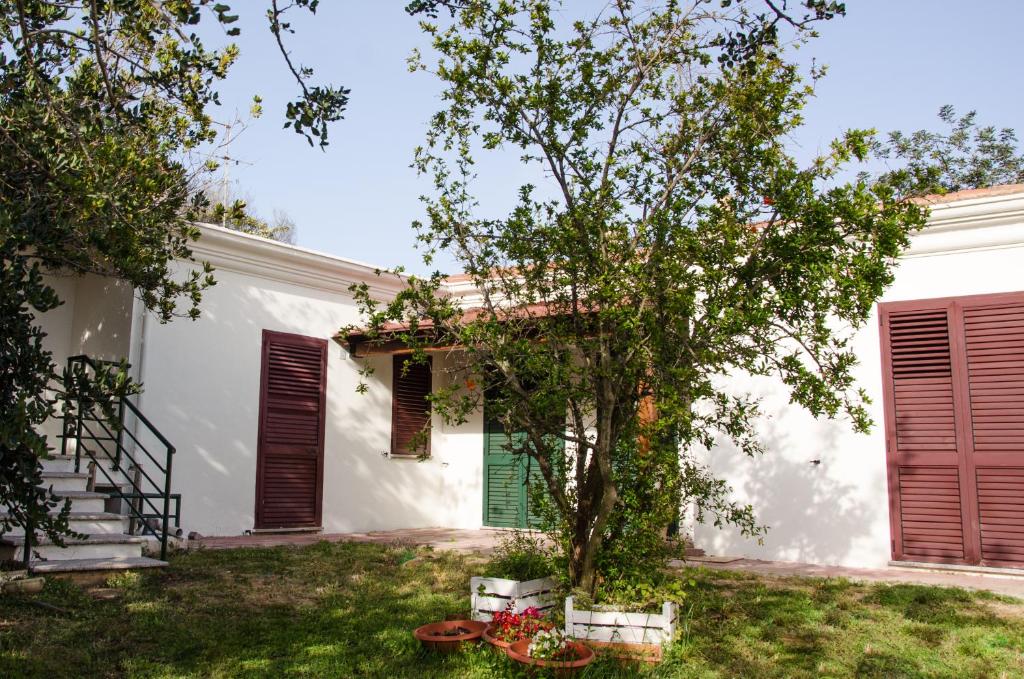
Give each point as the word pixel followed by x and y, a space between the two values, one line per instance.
pixel 620 627
pixel 497 592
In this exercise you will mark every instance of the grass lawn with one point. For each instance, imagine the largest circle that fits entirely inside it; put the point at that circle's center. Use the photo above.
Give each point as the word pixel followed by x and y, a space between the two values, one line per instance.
pixel 347 610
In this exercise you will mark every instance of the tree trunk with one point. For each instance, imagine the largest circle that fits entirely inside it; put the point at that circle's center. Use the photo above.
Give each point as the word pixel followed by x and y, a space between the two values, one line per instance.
pixel 594 507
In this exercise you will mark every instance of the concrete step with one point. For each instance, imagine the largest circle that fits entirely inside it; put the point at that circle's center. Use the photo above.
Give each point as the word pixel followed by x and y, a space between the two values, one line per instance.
pixel 101 523
pixel 84 501
pixel 91 547
pixel 58 463
pixel 58 481
pixel 75 566
pixel 66 463
pixel 81 501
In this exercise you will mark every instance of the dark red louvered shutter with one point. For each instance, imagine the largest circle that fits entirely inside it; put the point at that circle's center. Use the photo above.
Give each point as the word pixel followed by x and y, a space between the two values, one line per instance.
pixel 994 339
pixel 922 442
pixel 289 477
pixel 410 410
pixel 954 379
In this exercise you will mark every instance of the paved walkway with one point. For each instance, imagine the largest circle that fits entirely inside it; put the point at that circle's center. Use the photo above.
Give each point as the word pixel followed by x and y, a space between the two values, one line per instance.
pixel 1012 585
pixel 466 541
pixel 485 540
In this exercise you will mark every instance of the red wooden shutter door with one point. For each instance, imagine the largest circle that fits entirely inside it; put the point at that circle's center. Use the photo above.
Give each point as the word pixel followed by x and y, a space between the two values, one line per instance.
pixel 922 437
pixel 289 477
pixel 410 410
pixel 954 378
pixel 994 339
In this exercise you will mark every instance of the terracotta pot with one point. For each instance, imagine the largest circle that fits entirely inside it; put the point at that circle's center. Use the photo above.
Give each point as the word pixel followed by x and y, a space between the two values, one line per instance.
pixel 433 636
pixel 584 656
pixel 495 641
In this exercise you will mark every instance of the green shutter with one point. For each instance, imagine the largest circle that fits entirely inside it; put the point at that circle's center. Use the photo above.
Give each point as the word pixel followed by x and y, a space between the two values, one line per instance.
pixel 506 493
pixel 502 494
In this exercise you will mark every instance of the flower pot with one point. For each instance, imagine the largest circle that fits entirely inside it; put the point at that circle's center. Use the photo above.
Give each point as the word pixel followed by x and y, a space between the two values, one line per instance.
pixel 495 641
pixel 518 652
pixel 448 636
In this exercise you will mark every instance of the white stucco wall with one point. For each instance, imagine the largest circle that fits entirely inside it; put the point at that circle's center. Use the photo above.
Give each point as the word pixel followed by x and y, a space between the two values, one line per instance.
pixel 56 323
pixel 94 318
pixel 202 383
pixel 837 512
pixel 101 327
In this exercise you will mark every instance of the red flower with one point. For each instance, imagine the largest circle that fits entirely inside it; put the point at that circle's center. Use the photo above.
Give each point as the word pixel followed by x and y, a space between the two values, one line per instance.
pixel 511 626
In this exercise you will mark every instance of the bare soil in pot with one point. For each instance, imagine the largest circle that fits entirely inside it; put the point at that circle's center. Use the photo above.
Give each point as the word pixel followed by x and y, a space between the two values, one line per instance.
pixel 448 636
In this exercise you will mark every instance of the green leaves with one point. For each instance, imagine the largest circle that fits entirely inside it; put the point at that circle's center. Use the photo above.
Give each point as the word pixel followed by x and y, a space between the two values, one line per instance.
pixel 319 105
pixel 225 18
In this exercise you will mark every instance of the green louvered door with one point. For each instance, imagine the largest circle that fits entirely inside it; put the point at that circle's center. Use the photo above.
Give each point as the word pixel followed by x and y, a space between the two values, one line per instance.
pixel 506 492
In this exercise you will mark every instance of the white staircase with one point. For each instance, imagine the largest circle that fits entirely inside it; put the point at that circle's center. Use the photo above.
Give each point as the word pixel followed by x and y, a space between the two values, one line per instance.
pixel 106 545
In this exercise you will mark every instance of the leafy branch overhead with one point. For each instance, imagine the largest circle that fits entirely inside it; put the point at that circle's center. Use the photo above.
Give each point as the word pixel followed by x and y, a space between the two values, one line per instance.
pixel 319 105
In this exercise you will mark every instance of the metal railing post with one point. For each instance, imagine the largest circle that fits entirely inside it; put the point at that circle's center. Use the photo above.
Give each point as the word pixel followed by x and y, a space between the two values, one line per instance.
pixel 26 556
pixel 167 503
pixel 78 436
pixel 120 434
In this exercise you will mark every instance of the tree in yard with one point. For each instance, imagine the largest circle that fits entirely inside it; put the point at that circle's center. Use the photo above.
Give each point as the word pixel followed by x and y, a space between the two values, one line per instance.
pixel 669 242
pixel 966 157
pixel 104 116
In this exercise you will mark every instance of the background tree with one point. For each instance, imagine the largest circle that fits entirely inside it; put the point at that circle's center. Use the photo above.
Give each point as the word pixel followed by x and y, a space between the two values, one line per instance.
pixel 670 242
pixel 105 111
pixel 234 213
pixel 964 157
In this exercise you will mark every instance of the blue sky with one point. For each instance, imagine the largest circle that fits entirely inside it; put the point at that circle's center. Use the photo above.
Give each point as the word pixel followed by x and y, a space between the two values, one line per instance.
pixel 892 64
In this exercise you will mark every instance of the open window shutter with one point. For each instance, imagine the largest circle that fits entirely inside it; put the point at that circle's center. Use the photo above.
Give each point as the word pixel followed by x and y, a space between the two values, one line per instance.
pixel 924 464
pixel 410 410
pixel 994 337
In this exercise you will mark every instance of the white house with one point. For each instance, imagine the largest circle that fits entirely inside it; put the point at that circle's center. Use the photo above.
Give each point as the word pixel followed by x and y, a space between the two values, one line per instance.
pixel 260 405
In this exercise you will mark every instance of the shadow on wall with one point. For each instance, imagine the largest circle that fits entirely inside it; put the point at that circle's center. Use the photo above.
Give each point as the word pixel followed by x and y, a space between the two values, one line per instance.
pixel 817 513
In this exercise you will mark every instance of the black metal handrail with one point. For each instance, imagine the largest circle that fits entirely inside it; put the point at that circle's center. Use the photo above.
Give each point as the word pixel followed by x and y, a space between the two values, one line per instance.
pixel 101 438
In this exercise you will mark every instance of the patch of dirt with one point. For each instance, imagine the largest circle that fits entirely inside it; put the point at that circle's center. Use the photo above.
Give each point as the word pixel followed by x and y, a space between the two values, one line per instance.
pixel 1004 609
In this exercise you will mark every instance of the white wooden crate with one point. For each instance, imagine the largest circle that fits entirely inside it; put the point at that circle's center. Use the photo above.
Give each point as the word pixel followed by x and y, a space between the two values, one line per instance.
pixel 497 592
pixel 621 627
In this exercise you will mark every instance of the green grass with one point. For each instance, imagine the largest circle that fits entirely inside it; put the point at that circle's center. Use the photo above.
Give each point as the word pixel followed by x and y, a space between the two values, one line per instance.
pixel 347 610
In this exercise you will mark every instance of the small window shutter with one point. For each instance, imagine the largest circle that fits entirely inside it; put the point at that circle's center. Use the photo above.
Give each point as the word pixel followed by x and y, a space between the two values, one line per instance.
pixel 410 410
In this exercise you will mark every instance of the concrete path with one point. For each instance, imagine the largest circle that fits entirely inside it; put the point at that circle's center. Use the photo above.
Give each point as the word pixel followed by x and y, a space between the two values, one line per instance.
pixel 1011 585
pixel 482 541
